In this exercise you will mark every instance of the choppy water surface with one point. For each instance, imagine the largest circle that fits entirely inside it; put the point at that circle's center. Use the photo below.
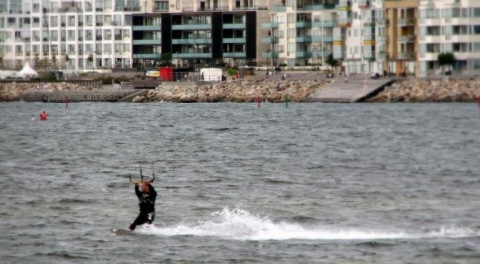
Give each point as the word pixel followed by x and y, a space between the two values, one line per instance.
pixel 311 183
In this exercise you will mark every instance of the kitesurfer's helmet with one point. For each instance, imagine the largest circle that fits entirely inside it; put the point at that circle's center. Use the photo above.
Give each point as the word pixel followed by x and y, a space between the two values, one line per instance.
pixel 145 188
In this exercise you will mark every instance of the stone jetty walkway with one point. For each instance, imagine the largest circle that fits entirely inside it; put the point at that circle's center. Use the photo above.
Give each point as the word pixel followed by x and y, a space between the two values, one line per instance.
pixel 350 90
pixel 83 96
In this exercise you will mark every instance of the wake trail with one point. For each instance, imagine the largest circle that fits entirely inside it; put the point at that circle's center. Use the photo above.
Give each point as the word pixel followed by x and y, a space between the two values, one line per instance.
pixel 238 224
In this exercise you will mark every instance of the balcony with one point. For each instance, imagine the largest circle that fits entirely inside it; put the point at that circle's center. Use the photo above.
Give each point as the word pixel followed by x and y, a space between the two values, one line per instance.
pixel 270 40
pixel 369 21
pixel 406 22
pixel 192 27
pixel 406 56
pixel 316 7
pixel 192 41
pixel 160 9
pixel 406 39
pixel 320 39
pixel 236 55
pixel 369 55
pixel 147 42
pixel 369 36
pixel 270 25
pixel 234 26
pixel 255 7
pixel 339 37
pixel 325 23
pixel 363 4
pixel 147 28
pixel 192 55
pixel 344 5
pixel 270 54
pixel 303 54
pixel 303 39
pixel 303 24
pixel 344 22
pixel 320 53
pixel 339 55
pixel 369 42
pixel 147 56
pixel 212 8
pixel 235 40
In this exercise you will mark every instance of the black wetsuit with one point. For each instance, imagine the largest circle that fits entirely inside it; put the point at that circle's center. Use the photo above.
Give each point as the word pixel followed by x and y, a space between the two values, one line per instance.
pixel 147 206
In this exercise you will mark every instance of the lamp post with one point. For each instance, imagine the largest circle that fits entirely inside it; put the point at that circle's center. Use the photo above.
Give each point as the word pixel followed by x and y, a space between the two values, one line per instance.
pixel 322 48
pixel 272 48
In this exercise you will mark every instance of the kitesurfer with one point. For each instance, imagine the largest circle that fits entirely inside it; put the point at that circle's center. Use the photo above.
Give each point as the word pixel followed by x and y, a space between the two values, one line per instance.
pixel 43 116
pixel 146 197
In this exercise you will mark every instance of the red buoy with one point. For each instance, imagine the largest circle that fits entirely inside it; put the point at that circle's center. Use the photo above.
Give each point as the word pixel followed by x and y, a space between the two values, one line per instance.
pixel 43 116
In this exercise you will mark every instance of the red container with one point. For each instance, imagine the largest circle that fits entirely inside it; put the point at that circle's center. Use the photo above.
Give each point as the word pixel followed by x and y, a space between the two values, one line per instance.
pixel 166 73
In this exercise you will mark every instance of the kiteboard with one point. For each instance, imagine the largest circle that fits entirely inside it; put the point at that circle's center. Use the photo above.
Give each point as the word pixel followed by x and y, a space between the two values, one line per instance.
pixel 121 232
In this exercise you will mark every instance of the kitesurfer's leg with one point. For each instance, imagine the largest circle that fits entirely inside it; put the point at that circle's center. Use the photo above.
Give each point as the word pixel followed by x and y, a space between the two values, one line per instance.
pixel 150 217
pixel 140 220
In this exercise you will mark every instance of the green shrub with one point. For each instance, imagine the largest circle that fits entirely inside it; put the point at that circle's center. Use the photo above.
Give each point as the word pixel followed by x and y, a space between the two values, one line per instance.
pixel 231 71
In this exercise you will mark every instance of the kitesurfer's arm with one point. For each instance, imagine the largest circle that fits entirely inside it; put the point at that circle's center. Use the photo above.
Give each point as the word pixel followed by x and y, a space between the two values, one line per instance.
pixel 153 193
pixel 137 191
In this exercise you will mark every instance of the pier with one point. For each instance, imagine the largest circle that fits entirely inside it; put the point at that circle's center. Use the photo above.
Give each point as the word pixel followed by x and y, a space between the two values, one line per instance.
pixel 120 95
pixel 351 90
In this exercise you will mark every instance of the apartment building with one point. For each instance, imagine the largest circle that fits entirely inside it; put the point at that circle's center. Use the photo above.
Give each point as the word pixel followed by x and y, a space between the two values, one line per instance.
pixel 401 30
pixel 366 36
pixel 199 33
pixel 65 34
pixel 359 36
pixel 448 26
pixel 299 32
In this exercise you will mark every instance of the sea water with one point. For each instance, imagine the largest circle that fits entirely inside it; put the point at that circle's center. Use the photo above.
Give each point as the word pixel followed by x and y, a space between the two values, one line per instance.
pixel 238 183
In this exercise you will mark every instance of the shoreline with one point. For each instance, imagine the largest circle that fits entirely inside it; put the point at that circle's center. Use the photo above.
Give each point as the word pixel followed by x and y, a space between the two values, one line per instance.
pixel 271 90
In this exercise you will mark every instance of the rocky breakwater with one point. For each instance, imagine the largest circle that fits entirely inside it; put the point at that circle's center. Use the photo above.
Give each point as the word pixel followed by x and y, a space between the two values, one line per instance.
pixel 440 90
pixel 240 91
pixel 10 92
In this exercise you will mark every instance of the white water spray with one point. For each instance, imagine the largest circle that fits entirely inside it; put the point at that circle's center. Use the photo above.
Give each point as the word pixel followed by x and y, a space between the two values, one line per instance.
pixel 238 224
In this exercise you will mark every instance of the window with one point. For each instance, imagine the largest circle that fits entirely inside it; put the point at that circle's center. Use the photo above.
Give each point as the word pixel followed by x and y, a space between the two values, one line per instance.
pixel 160 6
pixel 291 47
pixel 107 34
pixel 476 47
pixel 476 12
pixel 476 64
pixel 11 22
pixel 290 33
pixel 291 18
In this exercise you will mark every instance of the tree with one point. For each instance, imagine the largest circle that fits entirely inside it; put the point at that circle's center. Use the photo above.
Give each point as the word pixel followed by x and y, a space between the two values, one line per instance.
pixel 66 60
pixel 331 61
pixel 166 59
pixel 54 60
pixel 90 59
pixel 446 59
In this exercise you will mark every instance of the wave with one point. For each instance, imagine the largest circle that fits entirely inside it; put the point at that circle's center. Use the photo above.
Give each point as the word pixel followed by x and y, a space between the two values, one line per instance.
pixel 238 224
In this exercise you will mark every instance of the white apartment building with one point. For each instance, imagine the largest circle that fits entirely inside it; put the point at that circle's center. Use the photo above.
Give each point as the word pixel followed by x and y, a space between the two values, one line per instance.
pixel 71 35
pixel 300 32
pixel 359 36
pixel 449 26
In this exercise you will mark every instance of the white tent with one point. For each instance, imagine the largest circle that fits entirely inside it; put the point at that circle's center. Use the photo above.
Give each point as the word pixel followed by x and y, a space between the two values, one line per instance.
pixel 27 71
